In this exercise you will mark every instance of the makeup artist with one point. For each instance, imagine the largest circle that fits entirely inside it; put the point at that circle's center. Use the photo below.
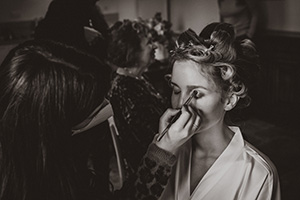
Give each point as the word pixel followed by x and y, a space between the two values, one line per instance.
pixel 39 156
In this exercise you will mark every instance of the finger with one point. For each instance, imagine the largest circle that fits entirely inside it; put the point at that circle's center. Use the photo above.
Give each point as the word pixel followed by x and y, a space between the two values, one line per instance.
pixel 191 115
pixel 168 114
pixel 183 119
pixel 155 137
pixel 166 118
pixel 192 118
pixel 195 120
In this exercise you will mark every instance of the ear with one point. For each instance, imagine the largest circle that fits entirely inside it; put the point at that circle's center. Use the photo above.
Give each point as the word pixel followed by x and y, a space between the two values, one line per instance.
pixel 231 102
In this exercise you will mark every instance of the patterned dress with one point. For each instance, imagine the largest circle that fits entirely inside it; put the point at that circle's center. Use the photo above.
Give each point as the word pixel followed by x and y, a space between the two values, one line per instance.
pixel 151 178
pixel 149 181
pixel 137 109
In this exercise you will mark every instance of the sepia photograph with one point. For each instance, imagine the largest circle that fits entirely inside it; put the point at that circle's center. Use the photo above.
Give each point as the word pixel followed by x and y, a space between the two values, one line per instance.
pixel 149 99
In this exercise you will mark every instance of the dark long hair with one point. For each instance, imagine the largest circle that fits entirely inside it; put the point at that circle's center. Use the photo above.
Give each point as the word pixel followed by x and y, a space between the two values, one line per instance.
pixel 46 88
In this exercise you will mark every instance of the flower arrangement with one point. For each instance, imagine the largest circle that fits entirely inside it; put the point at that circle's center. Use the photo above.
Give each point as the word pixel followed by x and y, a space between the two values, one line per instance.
pixel 162 35
pixel 160 29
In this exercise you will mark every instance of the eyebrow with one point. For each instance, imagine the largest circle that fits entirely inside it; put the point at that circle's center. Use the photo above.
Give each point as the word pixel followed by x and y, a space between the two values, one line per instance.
pixel 190 87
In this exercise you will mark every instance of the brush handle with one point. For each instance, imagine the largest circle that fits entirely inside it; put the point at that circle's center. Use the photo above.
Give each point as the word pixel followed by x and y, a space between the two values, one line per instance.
pixel 187 102
pixel 169 125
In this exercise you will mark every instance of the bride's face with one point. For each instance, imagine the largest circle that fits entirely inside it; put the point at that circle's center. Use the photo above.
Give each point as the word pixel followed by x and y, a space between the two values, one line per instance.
pixel 186 77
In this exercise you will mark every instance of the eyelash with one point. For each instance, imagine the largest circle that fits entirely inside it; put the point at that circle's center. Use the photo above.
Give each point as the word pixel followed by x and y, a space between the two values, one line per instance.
pixel 198 96
pixel 174 91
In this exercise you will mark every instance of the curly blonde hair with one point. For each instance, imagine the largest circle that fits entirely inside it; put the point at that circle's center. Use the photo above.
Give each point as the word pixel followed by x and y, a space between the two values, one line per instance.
pixel 225 61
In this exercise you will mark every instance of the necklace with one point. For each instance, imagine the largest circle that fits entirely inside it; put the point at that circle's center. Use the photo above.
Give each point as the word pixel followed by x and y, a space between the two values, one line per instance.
pixel 127 72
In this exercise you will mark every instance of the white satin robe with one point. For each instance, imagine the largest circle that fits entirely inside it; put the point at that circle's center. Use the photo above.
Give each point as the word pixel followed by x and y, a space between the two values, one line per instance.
pixel 241 172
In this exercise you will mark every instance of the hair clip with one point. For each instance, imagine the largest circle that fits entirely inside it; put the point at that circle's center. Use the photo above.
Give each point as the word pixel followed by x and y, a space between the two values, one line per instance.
pixel 191 43
pixel 209 49
pixel 176 43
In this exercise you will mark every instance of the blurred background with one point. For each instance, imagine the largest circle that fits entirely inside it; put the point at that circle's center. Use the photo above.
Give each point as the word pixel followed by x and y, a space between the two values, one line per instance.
pixel 272 122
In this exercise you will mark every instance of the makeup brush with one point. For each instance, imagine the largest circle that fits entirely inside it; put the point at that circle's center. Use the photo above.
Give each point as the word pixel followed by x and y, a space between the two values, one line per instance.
pixel 187 102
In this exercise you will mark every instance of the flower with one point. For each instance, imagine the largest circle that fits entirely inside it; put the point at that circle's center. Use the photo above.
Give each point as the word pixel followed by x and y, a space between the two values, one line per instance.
pixel 162 36
pixel 160 30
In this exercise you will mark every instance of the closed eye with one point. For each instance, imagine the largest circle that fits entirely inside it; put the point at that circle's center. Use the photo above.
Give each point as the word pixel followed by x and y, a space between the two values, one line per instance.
pixel 175 90
pixel 198 94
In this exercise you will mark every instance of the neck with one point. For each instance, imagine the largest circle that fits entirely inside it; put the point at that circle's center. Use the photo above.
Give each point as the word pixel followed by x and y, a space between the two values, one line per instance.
pixel 212 141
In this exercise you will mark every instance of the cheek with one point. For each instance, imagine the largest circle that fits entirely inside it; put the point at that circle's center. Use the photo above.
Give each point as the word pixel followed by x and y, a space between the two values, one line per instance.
pixel 175 101
pixel 209 108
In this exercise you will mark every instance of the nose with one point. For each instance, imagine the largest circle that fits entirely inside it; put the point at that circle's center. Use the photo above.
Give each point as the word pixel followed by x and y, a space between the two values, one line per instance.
pixel 153 46
pixel 178 102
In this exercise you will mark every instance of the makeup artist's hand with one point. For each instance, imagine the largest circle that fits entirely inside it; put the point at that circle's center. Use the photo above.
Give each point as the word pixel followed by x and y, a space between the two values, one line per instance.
pixel 180 131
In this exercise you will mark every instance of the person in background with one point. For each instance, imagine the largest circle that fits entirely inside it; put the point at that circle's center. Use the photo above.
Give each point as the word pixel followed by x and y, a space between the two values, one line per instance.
pixel 79 23
pixel 137 105
pixel 216 162
pixel 47 91
pixel 242 14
